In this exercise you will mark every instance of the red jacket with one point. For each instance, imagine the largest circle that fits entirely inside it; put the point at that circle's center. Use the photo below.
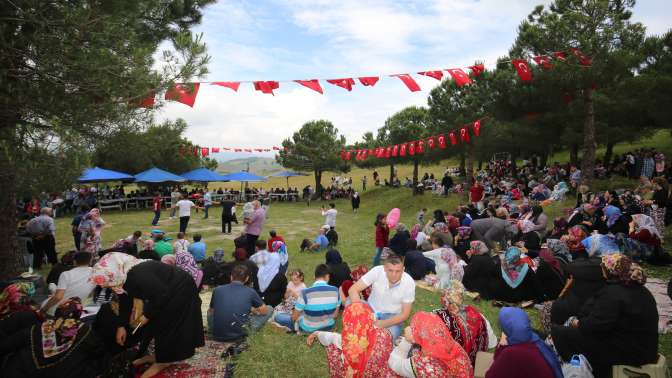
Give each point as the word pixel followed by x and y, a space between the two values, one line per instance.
pixel 382 235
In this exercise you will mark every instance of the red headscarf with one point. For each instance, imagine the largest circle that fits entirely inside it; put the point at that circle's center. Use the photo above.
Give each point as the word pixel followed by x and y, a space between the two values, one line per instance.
pixel 438 348
pixel 358 337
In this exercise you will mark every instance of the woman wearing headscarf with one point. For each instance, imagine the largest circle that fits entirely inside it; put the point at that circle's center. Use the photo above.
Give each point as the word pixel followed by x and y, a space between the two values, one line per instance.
pixel 60 347
pixel 355 276
pixel 436 354
pixel 361 349
pixel 586 216
pixel 620 324
pixel 574 237
pixel 272 283
pixel 550 276
pixel 515 282
pixel 480 271
pixel 339 271
pixel 659 202
pixel 398 241
pixel 521 353
pixel 148 252
pixel 559 191
pixel 185 261
pixel 169 260
pixel 355 201
pixel 443 232
pixel 468 327
pixel 91 227
pixel 616 222
pixel 530 238
pixel 172 313
pixel 446 263
pixel 280 248
pixel 559 228
pixel 17 311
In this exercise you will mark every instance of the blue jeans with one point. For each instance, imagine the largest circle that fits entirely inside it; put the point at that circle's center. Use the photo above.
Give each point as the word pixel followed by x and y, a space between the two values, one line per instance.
pixel 395 330
pixel 376 258
pixel 255 321
pixel 206 207
pixel 285 319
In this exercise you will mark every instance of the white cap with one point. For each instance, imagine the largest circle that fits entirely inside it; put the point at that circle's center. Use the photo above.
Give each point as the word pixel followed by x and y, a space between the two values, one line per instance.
pixel 326 227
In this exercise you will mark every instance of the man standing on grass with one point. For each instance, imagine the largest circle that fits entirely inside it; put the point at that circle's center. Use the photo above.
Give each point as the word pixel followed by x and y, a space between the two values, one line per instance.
pixel 392 294
pixel 207 202
pixel 175 196
pixel 253 227
pixel 156 206
pixel 184 211
pixel 330 215
pixel 477 194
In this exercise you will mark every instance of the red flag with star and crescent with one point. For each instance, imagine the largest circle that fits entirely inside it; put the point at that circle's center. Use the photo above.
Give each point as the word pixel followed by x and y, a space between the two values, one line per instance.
pixel 523 69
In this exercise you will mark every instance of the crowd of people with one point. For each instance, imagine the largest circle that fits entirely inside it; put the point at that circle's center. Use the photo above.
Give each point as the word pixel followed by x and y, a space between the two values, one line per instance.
pixel 581 271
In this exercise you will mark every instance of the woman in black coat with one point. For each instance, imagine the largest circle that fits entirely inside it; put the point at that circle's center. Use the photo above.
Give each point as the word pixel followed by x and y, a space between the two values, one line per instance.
pixel 586 280
pixel 618 326
pixel 481 269
pixel 172 311
pixel 355 199
pixel 398 243
pixel 339 271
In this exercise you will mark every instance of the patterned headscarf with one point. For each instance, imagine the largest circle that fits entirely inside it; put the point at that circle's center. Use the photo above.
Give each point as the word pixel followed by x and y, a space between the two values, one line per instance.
pixel 576 234
pixel 559 248
pixel 526 226
pixel 612 213
pixel 453 296
pixel 186 262
pixel 112 269
pixel 414 231
pixel 513 269
pixel 645 222
pixel 464 232
pixel 358 273
pixel 60 333
pixel 359 337
pixel 16 297
pixel 441 227
pixel 281 248
pixel 620 268
pixel 477 248
pixel 169 259
pixel 439 352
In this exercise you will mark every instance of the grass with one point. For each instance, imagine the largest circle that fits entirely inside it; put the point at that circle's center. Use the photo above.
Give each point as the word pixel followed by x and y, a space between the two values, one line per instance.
pixel 273 353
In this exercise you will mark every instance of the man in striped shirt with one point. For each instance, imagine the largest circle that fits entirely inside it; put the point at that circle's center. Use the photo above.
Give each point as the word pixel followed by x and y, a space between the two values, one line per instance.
pixel 316 308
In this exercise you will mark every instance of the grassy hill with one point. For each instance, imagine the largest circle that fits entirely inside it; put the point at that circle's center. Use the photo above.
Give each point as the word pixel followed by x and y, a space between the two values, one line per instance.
pixel 262 166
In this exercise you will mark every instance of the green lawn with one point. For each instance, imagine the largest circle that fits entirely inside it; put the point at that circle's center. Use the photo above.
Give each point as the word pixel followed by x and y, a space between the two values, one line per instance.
pixel 273 353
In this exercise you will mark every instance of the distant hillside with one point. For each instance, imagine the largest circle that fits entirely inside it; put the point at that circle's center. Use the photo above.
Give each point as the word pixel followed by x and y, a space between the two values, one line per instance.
pixel 262 166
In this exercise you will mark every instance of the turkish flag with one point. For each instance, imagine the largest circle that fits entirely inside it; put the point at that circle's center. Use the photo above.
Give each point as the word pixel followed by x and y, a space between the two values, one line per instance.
pixel 402 150
pixel 408 80
pixel 388 152
pixel 544 61
pixel 148 101
pixel 559 55
pixel 259 149
pixel 228 84
pixel 368 81
pixel 372 151
pixel 196 151
pixel 276 148
pixel 347 156
pixel 477 127
pixel 583 60
pixel 266 86
pixel 477 69
pixel 215 150
pixel 460 77
pixel 421 146
pixel 312 84
pixel 346 83
pixel 411 148
pixel 248 150
pixel 442 141
pixel 238 149
pixel 395 150
pixel 205 151
pixel 464 135
pixel 365 154
pixel 453 138
pixel 523 69
pixel 226 149
pixel 435 74
pixel 267 149
pixel 430 142
pixel 184 93
pixel 380 153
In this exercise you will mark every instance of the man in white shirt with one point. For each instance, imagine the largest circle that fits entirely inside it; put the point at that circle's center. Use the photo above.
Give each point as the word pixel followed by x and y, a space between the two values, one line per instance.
pixel 330 215
pixel 184 211
pixel 392 294
pixel 72 283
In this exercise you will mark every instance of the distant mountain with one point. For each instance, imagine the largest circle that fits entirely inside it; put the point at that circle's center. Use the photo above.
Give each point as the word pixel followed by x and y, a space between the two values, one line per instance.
pixel 262 166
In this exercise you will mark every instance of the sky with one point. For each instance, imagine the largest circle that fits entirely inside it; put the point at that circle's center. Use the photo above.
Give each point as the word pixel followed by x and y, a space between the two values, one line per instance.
pixel 330 39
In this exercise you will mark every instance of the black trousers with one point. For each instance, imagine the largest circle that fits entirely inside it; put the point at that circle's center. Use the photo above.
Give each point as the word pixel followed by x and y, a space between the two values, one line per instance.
pixel 45 245
pixel 251 241
pixel 184 222
pixel 226 224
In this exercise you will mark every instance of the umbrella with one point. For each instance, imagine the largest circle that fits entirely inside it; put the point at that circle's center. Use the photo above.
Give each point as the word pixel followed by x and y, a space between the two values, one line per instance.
pixel 156 175
pixel 202 175
pixel 287 175
pixel 96 174
pixel 243 176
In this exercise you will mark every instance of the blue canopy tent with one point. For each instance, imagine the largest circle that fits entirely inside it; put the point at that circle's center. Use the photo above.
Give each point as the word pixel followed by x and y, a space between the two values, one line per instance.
pixel 156 176
pixel 202 175
pixel 287 175
pixel 96 174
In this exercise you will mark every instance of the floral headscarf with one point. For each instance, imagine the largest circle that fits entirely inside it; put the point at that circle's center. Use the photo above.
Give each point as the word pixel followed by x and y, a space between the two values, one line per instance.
pixel 576 235
pixel 441 227
pixel 439 352
pixel 559 248
pixel 526 226
pixel 112 269
pixel 513 268
pixel 358 273
pixel 60 333
pixel 169 259
pixel 453 296
pixel 186 262
pixel 358 337
pixel 477 248
pixel 414 231
pixel 620 268
pixel 464 232
pixel 450 258
pixel 281 248
pixel 16 297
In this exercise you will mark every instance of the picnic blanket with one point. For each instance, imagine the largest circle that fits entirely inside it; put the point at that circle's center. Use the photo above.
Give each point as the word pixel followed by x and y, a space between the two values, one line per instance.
pixel 658 288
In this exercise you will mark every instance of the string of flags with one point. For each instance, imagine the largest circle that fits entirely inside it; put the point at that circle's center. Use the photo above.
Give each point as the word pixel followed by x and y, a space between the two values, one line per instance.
pixel 206 151
pixel 186 93
pixel 414 147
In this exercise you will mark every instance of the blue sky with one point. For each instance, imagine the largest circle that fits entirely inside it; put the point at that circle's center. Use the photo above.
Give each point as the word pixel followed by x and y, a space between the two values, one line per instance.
pixel 325 39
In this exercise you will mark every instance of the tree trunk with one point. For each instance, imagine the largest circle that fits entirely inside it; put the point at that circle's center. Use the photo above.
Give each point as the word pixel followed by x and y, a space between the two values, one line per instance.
pixel 415 176
pixel 589 144
pixel 544 160
pixel 318 183
pixel 574 154
pixel 9 254
pixel 609 153
pixel 391 172
pixel 462 162
pixel 469 179
pixel 480 164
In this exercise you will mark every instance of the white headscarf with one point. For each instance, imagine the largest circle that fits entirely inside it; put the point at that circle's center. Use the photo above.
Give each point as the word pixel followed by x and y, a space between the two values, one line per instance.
pixel 269 266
